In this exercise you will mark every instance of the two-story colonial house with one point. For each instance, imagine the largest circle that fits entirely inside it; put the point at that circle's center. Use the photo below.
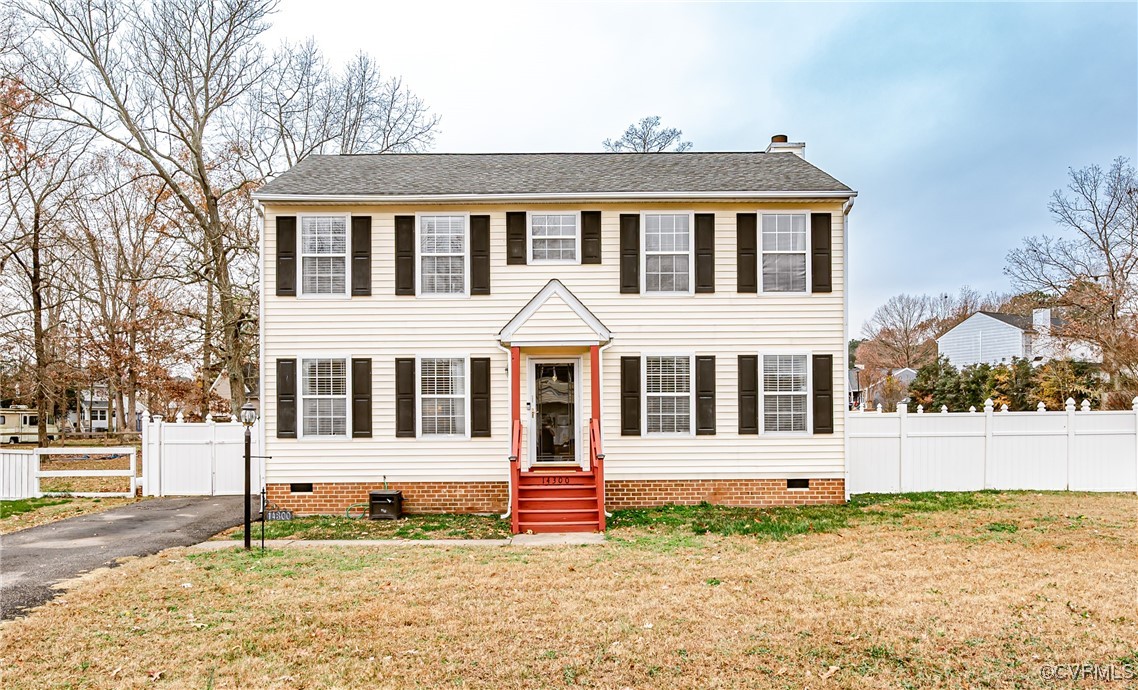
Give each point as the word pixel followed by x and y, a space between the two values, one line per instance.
pixel 553 335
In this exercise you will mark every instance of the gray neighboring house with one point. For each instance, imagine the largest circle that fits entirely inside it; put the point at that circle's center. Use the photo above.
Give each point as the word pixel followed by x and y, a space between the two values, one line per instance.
pixel 997 338
pixel 872 393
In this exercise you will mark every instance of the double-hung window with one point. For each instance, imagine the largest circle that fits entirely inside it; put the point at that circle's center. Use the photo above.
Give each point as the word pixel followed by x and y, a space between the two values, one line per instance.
pixel 442 254
pixel 667 252
pixel 324 392
pixel 785 393
pixel 324 255
pixel 554 238
pixel 667 393
pixel 784 252
pixel 442 396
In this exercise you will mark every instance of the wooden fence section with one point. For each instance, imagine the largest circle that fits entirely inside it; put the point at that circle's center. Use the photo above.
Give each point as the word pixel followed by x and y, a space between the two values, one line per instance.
pixel 1076 450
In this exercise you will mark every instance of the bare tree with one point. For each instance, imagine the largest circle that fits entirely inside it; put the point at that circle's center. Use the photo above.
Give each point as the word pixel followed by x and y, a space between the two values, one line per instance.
pixel 1090 270
pixel 156 79
pixel 899 334
pixel 41 182
pixel 647 136
pixel 302 107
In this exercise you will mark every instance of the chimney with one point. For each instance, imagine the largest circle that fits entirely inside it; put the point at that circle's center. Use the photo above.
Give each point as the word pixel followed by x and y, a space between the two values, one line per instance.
pixel 780 144
pixel 1041 321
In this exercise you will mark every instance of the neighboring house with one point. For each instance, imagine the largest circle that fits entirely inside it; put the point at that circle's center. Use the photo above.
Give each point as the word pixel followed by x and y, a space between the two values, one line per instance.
pixel 874 393
pixel 94 408
pixel 223 390
pixel 853 388
pixel 419 309
pixel 995 338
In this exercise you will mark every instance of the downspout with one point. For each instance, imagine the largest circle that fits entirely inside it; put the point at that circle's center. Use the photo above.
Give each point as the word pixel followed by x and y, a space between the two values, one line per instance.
pixel 509 402
pixel 601 378
pixel 846 208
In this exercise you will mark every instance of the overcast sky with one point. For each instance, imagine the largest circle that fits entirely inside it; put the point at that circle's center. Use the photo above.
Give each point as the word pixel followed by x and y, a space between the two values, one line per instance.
pixel 954 122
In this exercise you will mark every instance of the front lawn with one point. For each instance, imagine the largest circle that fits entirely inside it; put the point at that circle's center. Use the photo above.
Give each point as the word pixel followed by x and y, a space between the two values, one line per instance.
pixel 410 527
pixel 980 592
pixel 30 512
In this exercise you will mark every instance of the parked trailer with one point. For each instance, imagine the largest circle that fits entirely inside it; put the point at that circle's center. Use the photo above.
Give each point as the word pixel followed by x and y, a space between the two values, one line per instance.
pixel 19 424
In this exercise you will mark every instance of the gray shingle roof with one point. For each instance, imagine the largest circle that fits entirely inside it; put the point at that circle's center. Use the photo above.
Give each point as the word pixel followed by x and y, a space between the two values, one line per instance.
pixel 1024 323
pixel 428 174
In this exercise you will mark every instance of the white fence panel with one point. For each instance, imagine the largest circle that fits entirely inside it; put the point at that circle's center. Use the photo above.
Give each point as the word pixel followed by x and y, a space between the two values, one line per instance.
pixel 18 474
pixel 1029 451
pixel 1105 443
pixel 969 451
pixel 199 459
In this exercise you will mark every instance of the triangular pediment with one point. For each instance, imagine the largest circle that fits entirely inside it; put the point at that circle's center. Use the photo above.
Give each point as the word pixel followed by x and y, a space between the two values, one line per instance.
pixel 554 316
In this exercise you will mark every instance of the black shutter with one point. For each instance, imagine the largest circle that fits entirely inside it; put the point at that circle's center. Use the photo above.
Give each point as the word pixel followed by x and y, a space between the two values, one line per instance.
pixel 286 256
pixel 747 250
pixel 705 395
pixel 630 254
pixel 821 266
pixel 705 252
pixel 361 256
pixel 405 397
pixel 748 394
pixel 590 237
pixel 823 394
pixel 630 396
pixel 480 397
pixel 405 255
pixel 286 398
pixel 480 255
pixel 515 238
pixel 361 398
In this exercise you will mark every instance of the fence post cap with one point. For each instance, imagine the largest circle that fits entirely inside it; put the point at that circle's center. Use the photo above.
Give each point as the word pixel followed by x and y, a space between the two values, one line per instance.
pixel 1004 407
pixel 1134 403
pixel 880 408
pixel 920 409
pixel 972 408
pixel 1041 407
pixel 944 409
pixel 1070 404
pixel 989 405
pixel 902 408
pixel 180 418
pixel 157 418
pixel 1086 406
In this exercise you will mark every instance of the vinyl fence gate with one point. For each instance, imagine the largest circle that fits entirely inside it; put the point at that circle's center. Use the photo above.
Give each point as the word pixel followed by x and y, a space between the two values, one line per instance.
pixel 198 459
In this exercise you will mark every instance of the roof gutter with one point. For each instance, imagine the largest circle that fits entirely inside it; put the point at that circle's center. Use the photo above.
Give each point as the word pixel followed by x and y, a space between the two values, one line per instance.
pixel 568 196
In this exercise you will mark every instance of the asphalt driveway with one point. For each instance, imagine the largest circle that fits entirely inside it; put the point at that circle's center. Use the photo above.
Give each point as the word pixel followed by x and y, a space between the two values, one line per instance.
pixel 34 559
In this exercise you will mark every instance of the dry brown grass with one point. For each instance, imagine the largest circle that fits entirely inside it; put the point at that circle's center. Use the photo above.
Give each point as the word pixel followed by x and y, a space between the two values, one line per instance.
pixel 73 507
pixel 950 599
pixel 87 462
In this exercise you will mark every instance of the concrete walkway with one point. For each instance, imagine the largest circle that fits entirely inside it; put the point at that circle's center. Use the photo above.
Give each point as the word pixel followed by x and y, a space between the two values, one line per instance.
pixel 566 539
pixel 35 559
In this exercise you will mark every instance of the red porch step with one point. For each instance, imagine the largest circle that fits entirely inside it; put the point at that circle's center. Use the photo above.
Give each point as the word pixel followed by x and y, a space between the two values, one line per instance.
pixel 557 501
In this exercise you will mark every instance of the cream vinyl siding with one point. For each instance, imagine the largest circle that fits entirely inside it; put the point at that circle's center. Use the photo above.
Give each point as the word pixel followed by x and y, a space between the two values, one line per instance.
pixel 384 327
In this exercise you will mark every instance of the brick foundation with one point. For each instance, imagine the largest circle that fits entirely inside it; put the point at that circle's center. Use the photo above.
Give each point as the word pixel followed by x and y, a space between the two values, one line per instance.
pixel 493 497
pixel 418 497
pixel 755 493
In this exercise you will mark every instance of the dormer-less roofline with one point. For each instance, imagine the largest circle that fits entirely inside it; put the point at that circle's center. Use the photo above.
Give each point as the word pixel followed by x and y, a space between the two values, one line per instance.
pixel 555 287
pixel 569 196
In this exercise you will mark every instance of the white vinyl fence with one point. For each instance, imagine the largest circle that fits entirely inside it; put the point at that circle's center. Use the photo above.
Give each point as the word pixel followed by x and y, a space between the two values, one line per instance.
pixel 197 459
pixel 1076 450
pixel 20 471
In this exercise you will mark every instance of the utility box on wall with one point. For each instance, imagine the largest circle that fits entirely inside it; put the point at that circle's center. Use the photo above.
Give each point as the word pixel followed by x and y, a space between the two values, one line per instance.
pixel 385 505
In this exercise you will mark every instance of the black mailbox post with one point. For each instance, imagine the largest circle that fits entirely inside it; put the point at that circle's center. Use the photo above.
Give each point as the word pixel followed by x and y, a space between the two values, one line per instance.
pixel 385 505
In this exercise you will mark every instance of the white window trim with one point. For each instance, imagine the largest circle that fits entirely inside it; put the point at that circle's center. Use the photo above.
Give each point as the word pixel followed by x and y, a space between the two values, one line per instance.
pixel 644 395
pixel 419 258
pixel 300 293
pixel 529 239
pixel 300 435
pixel 809 431
pixel 809 272
pixel 644 253
pixel 465 356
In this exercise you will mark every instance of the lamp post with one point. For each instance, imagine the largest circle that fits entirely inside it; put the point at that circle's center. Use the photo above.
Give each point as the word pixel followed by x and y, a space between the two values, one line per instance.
pixel 248 419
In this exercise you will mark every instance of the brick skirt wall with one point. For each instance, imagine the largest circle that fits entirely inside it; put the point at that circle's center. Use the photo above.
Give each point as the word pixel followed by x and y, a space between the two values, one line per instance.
pixel 755 493
pixel 493 497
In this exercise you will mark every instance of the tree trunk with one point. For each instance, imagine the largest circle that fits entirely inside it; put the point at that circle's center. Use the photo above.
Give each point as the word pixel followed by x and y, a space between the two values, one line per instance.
pixel 39 341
